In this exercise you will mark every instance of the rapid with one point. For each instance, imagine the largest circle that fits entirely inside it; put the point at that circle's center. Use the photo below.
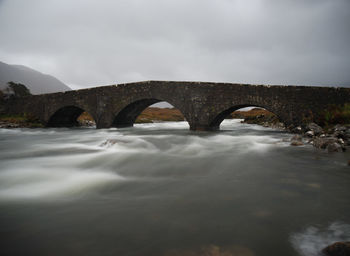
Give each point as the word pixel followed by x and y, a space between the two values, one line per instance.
pixel 160 189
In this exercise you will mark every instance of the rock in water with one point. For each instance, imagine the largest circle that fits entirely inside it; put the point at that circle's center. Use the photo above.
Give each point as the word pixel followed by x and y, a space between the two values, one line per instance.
pixel 334 147
pixel 296 137
pixel 337 249
pixel 296 143
pixel 297 140
pixel 324 142
pixel 339 127
pixel 317 130
pixel 109 142
pixel 310 134
pixel 297 129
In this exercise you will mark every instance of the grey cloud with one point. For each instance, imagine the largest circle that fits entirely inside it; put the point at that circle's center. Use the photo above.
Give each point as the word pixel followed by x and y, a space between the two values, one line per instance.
pixel 87 43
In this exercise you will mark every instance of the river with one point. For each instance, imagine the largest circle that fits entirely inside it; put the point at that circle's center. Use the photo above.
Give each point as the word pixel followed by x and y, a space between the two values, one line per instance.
pixel 160 189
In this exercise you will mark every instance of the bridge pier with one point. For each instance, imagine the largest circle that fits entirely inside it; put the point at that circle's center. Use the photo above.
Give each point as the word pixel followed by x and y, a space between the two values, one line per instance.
pixel 123 125
pixel 203 127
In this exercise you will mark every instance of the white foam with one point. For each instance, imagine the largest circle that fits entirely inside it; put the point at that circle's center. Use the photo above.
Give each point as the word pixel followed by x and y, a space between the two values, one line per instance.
pixel 163 125
pixel 312 240
pixel 42 183
pixel 73 161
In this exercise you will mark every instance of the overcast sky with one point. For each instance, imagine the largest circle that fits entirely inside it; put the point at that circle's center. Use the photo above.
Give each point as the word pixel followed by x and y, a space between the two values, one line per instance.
pixel 98 42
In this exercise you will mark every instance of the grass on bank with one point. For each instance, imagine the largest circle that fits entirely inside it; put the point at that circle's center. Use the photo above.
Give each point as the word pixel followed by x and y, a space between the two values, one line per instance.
pixel 24 120
pixel 159 114
pixel 335 114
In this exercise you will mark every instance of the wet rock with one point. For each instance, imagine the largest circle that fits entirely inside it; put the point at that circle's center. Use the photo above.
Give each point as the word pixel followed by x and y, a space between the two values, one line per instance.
pixel 347 133
pixel 297 140
pixel 109 142
pixel 341 141
pixel 337 249
pixel 297 137
pixel 342 132
pixel 323 142
pixel 330 143
pixel 339 134
pixel 296 129
pixel 340 128
pixel 310 134
pixel 346 136
pixel 315 128
pixel 296 143
pixel 334 147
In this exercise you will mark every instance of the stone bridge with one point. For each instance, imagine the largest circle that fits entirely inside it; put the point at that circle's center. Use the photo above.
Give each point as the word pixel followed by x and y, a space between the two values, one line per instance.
pixel 203 104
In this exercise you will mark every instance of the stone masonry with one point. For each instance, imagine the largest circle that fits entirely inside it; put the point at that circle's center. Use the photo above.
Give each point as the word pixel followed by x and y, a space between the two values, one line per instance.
pixel 203 104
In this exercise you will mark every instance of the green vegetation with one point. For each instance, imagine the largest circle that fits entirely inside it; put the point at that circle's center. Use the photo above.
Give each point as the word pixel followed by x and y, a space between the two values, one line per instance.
pixel 14 90
pixel 335 114
pixel 19 89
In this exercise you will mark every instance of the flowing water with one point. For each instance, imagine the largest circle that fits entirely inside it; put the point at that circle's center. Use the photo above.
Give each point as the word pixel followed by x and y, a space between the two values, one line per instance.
pixel 160 189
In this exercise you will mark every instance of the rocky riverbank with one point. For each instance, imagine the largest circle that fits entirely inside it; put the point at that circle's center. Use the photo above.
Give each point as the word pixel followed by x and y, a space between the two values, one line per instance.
pixel 333 139
pixel 19 122
pixel 260 117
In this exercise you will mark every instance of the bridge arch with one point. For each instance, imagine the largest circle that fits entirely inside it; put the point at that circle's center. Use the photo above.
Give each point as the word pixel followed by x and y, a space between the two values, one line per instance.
pixel 66 116
pixel 128 114
pixel 214 123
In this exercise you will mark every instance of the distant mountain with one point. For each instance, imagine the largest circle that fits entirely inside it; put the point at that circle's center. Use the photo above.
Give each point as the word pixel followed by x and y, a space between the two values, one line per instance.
pixel 37 83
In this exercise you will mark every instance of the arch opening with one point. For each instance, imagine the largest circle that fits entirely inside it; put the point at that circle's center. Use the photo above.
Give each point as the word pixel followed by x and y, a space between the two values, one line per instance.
pixel 71 116
pixel 251 114
pixel 147 111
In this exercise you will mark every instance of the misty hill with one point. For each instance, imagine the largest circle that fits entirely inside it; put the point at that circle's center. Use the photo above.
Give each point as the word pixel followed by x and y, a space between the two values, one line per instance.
pixel 37 83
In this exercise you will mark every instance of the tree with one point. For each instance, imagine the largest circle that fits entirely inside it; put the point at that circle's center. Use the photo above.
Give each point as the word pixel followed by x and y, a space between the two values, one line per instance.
pixel 18 89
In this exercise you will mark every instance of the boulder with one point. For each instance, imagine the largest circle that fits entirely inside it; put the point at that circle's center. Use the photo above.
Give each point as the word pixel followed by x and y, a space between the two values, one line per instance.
pixel 310 134
pixel 109 142
pixel 347 133
pixel 296 137
pixel 296 140
pixel 315 128
pixel 323 142
pixel 342 132
pixel 339 127
pixel 296 143
pixel 334 147
pixel 297 129
pixel 346 136
pixel 337 249
pixel 341 141
pixel 338 134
